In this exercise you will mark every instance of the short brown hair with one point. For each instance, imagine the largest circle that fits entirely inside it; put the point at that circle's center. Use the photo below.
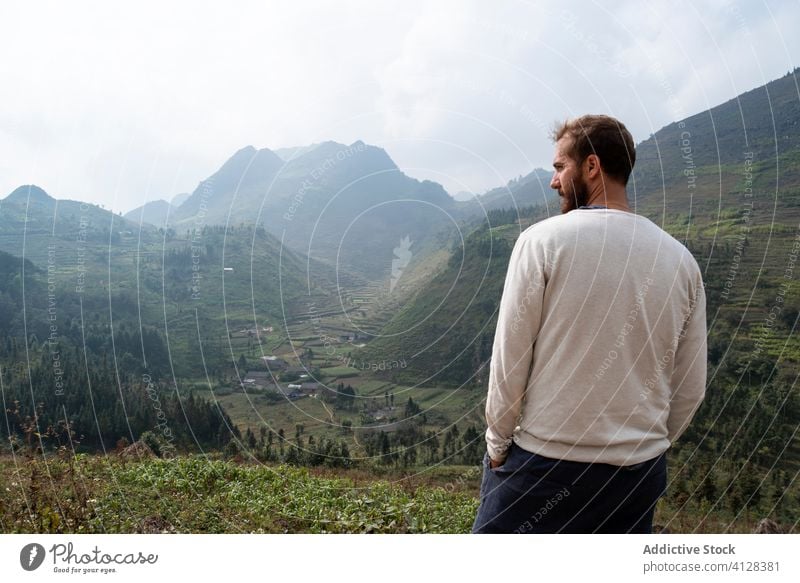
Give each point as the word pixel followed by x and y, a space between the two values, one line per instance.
pixel 604 136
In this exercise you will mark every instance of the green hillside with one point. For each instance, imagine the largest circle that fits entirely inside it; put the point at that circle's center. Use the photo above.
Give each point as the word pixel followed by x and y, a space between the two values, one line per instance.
pixel 108 327
pixel 734 204
pixel 383 322
pixel 445 332
pixel 740 221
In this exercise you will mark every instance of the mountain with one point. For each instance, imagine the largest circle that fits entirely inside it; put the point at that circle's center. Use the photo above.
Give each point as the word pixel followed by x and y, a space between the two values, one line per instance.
pixel 444 334
pixel 703 161
pixel 155 212
pixel 189 306
pixel 29 192
pixel 31 220
pixel 190 288
pixel 726 182
pixel 61 364
pixel 13 293
pixel 287 154
pixel 348 205
pixel 531 189
pixel 179 199
pixel 233 190
pixel 463 196
pixel 24 206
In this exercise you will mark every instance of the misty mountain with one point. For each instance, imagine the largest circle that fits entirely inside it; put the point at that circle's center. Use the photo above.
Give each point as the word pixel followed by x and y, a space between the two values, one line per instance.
pixel 30 220
pixel 718 193
pixel 293 152
pixel 191 288
pixel 531 189
pixel 350 206
pixel 179 199
pixel 155 212
pixel 727 183
pixel 710 153
pixel 463 196
pixel 29 193
pixel 231 192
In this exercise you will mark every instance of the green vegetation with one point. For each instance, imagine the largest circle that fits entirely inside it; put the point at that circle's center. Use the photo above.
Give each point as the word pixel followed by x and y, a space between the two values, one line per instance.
pixel 93 494
pixel 444 333
pixel 195 494
pixel 339 372
pixel 115 335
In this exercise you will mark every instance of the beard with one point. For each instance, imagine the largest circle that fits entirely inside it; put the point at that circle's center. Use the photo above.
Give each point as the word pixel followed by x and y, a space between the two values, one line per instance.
pixel 575 196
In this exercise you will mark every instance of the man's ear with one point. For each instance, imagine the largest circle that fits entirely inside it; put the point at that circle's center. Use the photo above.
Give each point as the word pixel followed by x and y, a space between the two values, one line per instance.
pixel 592 166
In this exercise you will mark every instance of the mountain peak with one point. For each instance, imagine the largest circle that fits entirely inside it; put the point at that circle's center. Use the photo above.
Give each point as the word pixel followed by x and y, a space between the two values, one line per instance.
pixel 23 193
pixel 154 212
pixel 178 199
pixel 288 154
pixel 248 161
pixel 379 157
pixel 246 151
pixel 247 169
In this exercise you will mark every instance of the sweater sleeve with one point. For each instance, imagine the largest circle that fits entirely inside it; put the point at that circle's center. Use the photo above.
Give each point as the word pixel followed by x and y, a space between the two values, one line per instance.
pixel 689 374
pixel 518 322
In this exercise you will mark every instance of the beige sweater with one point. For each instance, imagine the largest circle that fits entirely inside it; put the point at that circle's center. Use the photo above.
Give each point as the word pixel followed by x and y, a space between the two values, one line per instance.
pixel 600 349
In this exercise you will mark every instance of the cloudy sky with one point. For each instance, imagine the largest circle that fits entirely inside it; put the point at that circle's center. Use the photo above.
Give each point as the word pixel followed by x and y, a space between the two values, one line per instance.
pixel 122 102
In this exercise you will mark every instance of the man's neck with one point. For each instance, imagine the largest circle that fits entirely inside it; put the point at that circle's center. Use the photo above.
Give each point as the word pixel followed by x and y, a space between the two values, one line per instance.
pixel 611 197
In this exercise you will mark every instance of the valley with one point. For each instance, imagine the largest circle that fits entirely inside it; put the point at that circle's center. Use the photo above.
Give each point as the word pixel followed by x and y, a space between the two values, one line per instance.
pixel 317 307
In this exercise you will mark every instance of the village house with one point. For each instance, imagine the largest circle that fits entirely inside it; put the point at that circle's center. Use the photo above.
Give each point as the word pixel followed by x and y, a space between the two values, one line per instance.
pixel 258 379
pixel 274 363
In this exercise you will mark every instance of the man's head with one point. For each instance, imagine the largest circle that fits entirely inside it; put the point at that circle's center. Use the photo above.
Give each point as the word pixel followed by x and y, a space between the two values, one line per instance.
pixel 592 152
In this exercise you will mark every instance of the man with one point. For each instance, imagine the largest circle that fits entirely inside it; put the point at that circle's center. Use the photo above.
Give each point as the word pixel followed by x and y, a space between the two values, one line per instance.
pixel 599 358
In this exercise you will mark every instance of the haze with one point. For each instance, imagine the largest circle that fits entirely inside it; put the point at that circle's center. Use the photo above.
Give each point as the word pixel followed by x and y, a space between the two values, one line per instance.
pixel 123 103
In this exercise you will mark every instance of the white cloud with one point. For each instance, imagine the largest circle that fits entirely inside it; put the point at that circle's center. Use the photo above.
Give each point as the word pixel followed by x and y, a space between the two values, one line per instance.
pixel 123 103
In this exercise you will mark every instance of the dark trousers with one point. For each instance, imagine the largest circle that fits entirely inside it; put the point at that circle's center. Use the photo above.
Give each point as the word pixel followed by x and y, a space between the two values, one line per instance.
pixel 530 493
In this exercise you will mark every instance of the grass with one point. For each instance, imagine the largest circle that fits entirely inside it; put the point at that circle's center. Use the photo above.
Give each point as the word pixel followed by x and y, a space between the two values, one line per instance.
pixel 194 494
pixel 199 494
pixel 339 372
pixel 254 411
pixel 441 406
